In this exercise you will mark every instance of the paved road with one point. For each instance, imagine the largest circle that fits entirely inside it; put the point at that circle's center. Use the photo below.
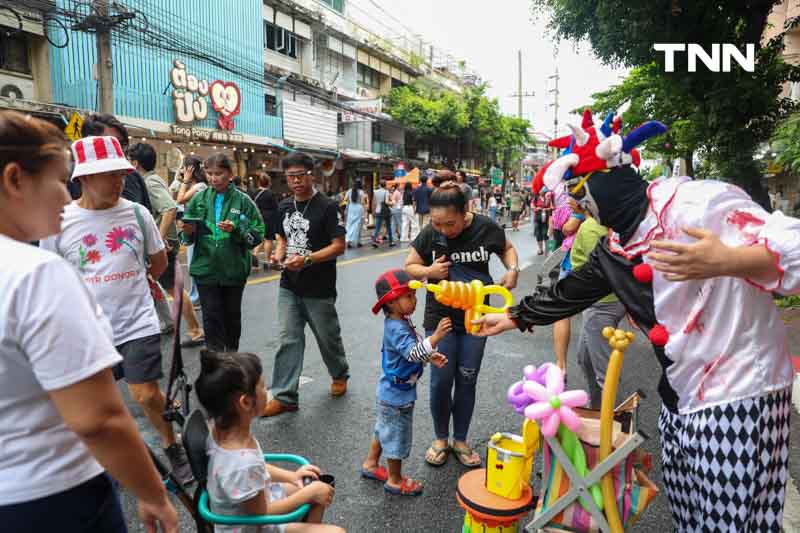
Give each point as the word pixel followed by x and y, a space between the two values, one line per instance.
pixel 335 433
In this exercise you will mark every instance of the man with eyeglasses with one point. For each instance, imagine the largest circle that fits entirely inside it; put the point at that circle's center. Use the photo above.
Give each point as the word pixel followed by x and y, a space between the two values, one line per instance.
pixel 309 240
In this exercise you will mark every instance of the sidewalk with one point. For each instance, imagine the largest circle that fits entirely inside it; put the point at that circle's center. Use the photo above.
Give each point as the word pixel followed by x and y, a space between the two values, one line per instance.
pixel 791 316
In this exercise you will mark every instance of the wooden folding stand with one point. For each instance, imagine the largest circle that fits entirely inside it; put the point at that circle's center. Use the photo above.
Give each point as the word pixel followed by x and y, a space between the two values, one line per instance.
pixel 580 485
pixel 607 519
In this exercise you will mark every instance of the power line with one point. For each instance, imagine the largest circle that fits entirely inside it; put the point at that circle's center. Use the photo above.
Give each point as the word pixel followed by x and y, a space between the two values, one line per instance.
pixel 388 14
pixel 164 35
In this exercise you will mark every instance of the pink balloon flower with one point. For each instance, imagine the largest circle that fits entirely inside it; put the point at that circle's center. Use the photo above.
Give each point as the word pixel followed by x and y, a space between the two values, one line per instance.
pixel 552 405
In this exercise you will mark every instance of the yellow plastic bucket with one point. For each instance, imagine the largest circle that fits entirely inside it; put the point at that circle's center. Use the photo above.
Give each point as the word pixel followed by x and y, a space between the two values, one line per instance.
pixel 474 525
pixel 505 466
pixel 510 460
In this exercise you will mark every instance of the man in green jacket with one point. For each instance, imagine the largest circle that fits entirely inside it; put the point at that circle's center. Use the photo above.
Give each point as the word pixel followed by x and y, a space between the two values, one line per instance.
pixel 224 224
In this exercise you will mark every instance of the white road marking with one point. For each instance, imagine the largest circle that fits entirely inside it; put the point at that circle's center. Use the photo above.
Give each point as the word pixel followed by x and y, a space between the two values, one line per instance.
pixel 303 381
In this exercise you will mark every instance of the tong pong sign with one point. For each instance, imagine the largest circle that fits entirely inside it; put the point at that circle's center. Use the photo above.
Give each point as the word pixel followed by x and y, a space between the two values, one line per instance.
pixel 189 98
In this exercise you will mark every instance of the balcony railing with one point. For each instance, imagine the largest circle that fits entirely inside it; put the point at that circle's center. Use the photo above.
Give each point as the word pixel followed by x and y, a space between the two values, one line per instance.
pixel 389 149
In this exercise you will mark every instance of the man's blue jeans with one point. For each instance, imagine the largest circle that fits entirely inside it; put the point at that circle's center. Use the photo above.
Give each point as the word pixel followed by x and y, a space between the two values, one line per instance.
pixel 453 386
pixel 380 218
pixel 294 312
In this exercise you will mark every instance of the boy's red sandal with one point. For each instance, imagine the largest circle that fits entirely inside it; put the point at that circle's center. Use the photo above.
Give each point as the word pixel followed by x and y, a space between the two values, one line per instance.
pixel 379 474
pixel 408 487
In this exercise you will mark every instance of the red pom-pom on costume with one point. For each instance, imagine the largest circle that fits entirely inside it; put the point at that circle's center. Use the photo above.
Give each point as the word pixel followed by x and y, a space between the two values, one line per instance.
pixel 659 335
pixel 643 273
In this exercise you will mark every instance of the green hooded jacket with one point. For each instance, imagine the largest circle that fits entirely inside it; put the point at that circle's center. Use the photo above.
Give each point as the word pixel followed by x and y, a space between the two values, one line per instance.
pixel 221 258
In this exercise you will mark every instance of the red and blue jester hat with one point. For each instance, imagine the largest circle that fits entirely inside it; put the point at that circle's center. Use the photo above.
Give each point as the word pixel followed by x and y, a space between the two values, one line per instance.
pixel 596 170
pixel 592 148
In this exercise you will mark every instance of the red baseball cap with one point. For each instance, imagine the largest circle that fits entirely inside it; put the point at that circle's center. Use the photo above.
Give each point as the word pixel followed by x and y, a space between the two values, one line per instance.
pixel 391 285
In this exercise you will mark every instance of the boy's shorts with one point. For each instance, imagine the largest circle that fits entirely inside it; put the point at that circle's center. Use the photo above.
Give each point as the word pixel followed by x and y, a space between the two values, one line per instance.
pixel 393 429
pixel 141 360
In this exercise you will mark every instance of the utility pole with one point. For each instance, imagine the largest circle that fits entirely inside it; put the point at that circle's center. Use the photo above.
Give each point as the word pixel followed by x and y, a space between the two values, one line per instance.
pixel 519 82
pixel 101 21
pixel 520 95
pixel 105 76
pixel 555 93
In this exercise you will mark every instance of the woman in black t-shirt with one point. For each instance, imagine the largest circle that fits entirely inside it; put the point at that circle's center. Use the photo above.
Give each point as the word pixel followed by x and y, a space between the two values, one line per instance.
pixel 456 246
pixel 268 206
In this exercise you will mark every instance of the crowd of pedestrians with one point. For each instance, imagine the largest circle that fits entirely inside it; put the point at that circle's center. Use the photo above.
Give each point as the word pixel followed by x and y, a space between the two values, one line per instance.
pixel 80 311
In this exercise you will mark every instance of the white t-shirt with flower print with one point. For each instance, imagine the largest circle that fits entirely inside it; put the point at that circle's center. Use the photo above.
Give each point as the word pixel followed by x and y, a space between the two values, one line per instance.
pixel 107 248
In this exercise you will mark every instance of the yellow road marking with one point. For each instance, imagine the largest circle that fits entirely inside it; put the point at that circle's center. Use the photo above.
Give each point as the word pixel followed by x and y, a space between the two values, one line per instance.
pixel 346 262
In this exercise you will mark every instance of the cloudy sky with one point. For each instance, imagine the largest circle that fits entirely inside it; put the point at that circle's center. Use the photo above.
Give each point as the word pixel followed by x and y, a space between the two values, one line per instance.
pixel 487 34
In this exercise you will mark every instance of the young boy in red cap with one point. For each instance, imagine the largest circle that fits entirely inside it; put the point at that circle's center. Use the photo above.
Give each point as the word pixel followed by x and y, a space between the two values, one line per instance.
pixel 402 356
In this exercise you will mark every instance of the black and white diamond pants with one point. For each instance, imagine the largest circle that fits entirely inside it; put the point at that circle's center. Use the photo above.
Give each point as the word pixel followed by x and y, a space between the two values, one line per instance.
pixel 726 467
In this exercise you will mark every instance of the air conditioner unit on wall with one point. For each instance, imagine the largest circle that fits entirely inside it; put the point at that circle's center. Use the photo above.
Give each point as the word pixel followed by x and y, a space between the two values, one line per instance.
pixel 16 87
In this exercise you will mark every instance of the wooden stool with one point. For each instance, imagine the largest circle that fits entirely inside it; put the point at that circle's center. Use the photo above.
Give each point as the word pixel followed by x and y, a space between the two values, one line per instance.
pixel 487 512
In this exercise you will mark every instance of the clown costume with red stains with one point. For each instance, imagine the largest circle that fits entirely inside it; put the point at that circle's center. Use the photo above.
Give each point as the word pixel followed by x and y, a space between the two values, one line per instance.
pixel 706 259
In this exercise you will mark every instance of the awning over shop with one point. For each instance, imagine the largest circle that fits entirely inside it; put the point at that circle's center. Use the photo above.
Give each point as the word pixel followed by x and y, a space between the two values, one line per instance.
pixel 317 153
pixel 360 155
pixel 49 112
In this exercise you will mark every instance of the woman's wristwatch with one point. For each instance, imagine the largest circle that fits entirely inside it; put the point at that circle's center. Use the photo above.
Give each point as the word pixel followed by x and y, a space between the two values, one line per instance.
pixel 514 268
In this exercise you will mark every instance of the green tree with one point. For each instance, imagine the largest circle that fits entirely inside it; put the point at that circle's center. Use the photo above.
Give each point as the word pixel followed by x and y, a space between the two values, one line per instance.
pixel 649 95
pixel 457 124
pixel 437 118
pixel 733 112
pixel 786 144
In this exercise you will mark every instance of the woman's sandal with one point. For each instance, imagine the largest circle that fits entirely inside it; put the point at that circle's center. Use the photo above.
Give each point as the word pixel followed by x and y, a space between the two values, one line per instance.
pixel 436 456
pixel 408 487
pixel 379 474
pixel 463 455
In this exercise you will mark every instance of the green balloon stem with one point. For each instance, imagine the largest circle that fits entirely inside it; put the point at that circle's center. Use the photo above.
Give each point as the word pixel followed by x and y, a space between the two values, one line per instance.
pixel 574 450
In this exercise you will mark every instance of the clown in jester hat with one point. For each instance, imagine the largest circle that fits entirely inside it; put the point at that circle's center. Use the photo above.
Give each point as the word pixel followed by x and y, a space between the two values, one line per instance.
pixel 695 264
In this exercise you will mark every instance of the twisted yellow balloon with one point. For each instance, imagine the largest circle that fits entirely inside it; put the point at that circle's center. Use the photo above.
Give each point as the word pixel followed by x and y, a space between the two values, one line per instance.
pixel 467 296
pixel 619 341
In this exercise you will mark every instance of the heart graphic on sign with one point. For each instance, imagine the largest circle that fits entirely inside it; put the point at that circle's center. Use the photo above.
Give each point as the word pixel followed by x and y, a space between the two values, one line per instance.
pixel 226 99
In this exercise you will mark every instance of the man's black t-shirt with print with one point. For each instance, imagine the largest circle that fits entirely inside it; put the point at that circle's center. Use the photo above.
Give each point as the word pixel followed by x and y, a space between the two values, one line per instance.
pixel 308 227
pixel 469 254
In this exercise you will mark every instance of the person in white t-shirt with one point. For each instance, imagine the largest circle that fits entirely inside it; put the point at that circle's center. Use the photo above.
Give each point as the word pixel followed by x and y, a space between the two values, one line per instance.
pixel 111 241
pixel 192 180
pixel 63 422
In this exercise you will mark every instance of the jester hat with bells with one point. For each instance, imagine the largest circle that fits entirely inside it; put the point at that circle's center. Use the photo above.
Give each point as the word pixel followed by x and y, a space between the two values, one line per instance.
pixel 596 166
